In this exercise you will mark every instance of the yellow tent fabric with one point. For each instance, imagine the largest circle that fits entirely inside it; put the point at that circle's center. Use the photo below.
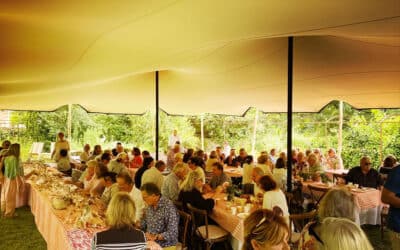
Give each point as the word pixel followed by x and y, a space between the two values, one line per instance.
pixel 213 56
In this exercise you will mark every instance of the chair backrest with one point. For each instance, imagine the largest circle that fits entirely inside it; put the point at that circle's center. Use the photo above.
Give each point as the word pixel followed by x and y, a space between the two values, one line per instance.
pixel 183 227
pixel 197 216
pixel 317 193
pixel 298 221
pixel 37 148
pixel 337 177
pixel 178 205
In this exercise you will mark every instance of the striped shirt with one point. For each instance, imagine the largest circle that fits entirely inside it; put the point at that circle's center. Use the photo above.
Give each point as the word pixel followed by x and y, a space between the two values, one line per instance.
pixel 126 239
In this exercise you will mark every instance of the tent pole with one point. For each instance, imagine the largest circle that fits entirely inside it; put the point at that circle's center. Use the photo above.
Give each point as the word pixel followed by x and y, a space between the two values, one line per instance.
pixel 202 131
pixel 289 113
pixel 340 134
pixel 253 144
pixel 69 123
pixel 157 115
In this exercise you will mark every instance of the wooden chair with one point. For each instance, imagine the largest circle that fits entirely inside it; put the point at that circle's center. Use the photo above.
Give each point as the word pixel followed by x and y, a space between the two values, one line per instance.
pixel 36 150
pixel 297 222
pixel 178 205
pixel 184 233
pixel 337 177
pixel 210 234
pixel 317 193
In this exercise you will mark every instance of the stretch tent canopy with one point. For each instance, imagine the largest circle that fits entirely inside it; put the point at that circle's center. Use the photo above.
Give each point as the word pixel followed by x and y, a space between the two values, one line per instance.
pixel 213 56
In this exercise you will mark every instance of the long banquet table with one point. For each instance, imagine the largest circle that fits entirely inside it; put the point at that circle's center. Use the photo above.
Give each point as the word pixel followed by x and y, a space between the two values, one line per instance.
pixel 53 224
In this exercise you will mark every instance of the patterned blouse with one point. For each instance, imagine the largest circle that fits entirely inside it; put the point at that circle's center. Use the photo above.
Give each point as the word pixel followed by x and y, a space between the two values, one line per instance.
pixel 163 220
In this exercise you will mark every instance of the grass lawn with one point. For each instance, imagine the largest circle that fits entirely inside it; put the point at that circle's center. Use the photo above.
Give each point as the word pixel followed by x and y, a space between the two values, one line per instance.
pixel 374 235
pixel 21 232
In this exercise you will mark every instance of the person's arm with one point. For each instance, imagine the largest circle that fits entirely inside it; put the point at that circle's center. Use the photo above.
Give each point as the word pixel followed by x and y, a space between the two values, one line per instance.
pixel 390 198
pixel 172 222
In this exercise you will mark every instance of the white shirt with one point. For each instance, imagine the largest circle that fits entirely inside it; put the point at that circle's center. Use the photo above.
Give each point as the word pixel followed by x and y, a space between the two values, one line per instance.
pixel 153 175
pixel 274 198
pixel 280 177
pixel 139 202
pixel 173 139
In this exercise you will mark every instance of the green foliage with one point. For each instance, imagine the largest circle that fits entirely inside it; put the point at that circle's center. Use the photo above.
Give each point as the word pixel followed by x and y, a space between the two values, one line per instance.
pixel 372 132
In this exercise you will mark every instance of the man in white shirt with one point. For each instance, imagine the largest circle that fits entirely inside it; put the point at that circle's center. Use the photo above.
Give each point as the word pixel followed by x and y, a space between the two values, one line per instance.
pixel 154 174
pixel 125 184
pixel 173 139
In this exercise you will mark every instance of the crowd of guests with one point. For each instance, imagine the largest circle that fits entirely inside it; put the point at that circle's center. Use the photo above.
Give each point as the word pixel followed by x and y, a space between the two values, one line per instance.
pixel 139 199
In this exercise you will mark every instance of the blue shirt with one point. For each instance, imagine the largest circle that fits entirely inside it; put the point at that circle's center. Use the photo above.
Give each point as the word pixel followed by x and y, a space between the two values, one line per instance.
pixel 163 220
pixel 393 185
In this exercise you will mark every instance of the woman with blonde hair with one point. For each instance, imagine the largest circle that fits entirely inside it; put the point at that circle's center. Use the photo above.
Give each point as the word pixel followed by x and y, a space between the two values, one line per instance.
pixel 338 203
pixel 13 183
pixel 122 232
pixel 265 229
pixel 190 193
pixel 342 234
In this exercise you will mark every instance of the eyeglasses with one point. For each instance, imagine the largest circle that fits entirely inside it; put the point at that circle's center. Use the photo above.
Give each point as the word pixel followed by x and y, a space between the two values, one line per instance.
pixel 367 163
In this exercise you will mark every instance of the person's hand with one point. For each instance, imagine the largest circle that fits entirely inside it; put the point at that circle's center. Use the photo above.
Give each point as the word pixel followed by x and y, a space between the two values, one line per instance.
pixel 207 188
pixel 150 237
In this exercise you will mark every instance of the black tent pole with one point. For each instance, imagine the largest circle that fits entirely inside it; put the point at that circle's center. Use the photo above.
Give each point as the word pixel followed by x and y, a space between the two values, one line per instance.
pixel 289 113
pixel 157 115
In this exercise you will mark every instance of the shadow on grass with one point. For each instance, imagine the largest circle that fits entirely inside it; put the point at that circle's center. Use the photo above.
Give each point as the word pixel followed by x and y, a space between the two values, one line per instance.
pixel 21 232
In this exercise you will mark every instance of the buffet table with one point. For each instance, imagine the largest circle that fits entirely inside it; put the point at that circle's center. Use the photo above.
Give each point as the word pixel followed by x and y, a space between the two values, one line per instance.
pixel 73 227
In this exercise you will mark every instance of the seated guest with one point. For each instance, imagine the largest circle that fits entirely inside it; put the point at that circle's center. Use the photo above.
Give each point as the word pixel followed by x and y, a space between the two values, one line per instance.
pixel 118 165
pixel 388 163
pixel 97 184
pixel 96 152
pixel 213 158
pixel 145 154
pixel 341 233
pixel 154 174
pixel 231 159
pixel 125 184
pixel 63 164
pixel 137 160
pixel 333 161
pixel 105 158
pixel 280 174
pixel 84 157
pixel 364 175
pixel 241 158
pixel 219 177
pixel 111 187
pixel 256 175
pixel 247 168
pixel 264 163
pixel 189 154
pixel 339 203
pixel 273 196
pixel 148 162
pixel 119 147
pixel 170 188
pixel 195 164
pixel 191 193
pixel 314 166
pixel 265 229
pixel 301 163
pixel 87 176
pixel 122 233
pixel 161 219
